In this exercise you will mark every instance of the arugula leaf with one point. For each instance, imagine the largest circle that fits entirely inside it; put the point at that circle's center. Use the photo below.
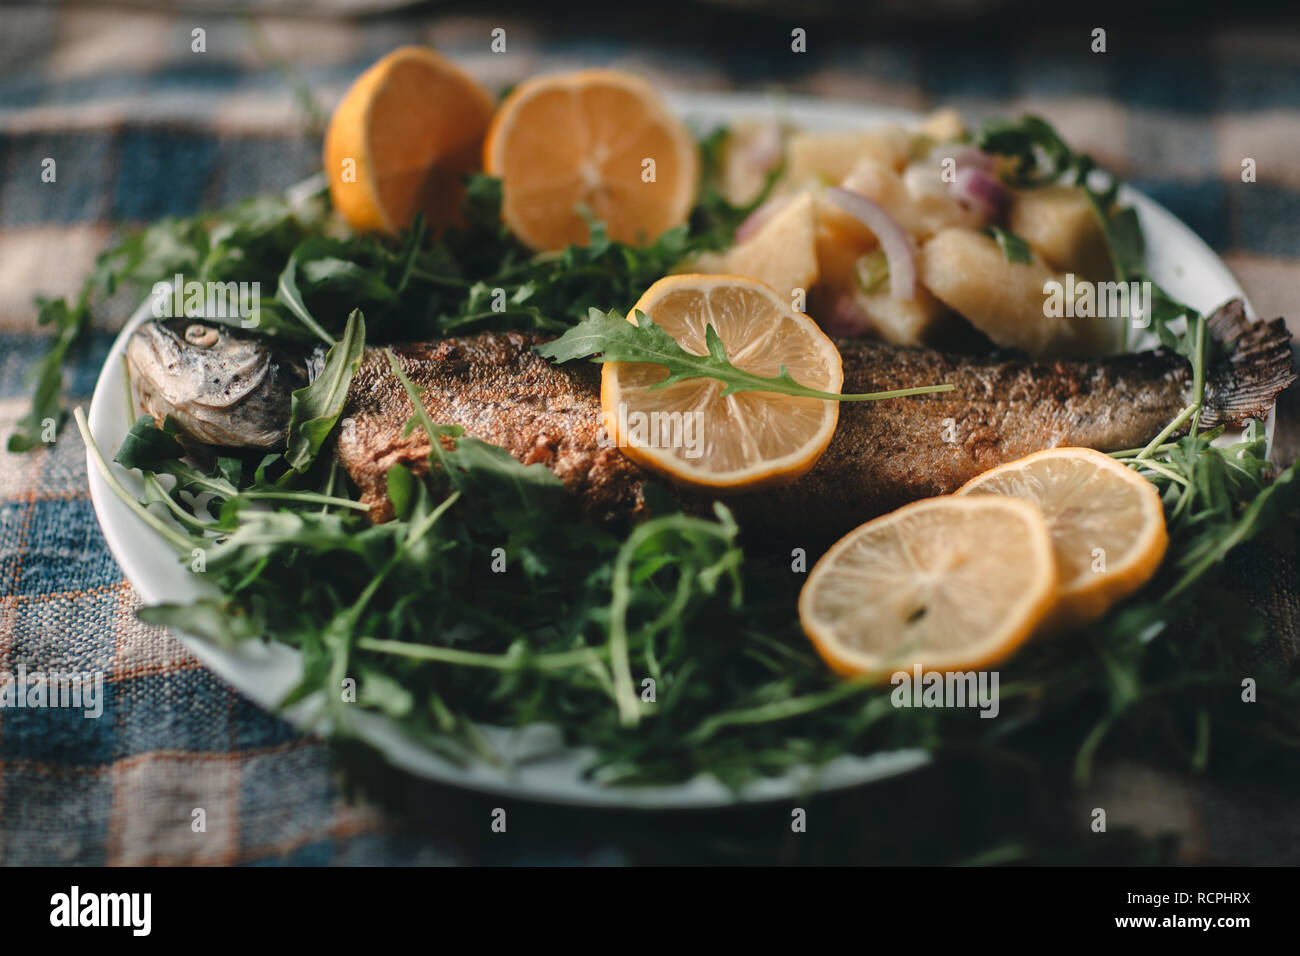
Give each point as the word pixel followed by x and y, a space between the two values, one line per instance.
pixel 148 447
pixel 1124 236
pixel 315 409
pixel 156 451
pixel 287 292
pixel 491 474
pixel 400 483
pixel 609 337
pixel 1013 247
pixel 1041 153
pixel 46 377
pixel 219 621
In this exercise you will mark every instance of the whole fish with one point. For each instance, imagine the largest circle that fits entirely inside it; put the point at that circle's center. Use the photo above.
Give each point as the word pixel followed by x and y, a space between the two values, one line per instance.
pixel 228 388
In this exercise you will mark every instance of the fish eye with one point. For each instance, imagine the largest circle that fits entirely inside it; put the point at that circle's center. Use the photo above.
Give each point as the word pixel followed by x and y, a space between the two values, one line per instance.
pixel 203 336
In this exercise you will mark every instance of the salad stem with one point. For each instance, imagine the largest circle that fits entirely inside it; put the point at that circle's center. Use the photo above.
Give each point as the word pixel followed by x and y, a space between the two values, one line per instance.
pixel 181 542
pixel 1160 470
pixel 892 393
pixel 180 514
pixel 1198 375
pixel 624 694
pixel 307 497
pixel 504 662
pixel 1173 426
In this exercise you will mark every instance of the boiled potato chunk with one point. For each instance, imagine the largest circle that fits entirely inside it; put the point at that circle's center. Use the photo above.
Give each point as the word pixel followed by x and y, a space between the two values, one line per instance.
pixel 829 157
pixel 899 321
pixel 967 271
pixel 943 126
pixel 751 151
pixel 1058 221
pixel 782 253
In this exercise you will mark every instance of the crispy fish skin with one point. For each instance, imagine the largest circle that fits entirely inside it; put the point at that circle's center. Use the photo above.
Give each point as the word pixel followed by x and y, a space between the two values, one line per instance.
pixel 884 454
pixel 500 391
pixel 891 452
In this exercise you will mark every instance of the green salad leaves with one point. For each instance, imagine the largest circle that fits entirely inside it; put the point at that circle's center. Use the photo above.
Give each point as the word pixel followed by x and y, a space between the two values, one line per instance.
pixel 315 408
pixel 1013 247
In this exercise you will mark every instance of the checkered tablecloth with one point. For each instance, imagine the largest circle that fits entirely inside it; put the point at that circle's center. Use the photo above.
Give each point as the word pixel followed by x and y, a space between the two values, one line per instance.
pixel 141 126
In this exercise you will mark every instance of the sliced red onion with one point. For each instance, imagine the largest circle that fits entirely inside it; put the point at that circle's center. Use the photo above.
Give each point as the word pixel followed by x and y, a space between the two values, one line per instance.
pixel 980 189
pixel 846 319
pixel 970 157
pixel 925 176
pixel 894 240
pixel 760 217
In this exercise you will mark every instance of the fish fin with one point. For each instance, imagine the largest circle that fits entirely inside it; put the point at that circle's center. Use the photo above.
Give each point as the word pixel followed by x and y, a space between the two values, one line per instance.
pixel 1254 366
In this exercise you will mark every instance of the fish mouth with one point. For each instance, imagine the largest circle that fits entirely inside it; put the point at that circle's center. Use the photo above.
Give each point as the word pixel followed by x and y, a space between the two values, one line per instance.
pixel 219 388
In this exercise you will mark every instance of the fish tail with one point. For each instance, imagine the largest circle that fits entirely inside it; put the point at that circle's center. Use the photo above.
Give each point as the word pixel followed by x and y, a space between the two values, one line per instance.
pixel 1254 365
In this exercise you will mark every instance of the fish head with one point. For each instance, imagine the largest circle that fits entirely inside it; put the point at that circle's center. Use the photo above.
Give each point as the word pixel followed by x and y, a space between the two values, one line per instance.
pixel 221 386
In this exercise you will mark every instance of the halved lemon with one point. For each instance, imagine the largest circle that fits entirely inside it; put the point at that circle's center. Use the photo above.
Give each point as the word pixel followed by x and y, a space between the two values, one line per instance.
pixel 689 431
pixel 1107 523
pixel 402 140
pixel 599 139
pixel 948 583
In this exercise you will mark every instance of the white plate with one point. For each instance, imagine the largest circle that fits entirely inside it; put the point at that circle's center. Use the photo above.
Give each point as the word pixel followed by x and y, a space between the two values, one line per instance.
pixel 540 768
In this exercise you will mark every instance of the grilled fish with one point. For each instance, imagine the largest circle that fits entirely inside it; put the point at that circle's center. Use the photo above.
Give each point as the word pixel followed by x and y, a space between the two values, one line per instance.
pixel 884 454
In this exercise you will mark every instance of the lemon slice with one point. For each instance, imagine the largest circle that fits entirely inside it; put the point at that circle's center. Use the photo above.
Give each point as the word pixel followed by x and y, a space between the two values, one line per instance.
pixel 947 583
pixel 690 432
pixel 1107 523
